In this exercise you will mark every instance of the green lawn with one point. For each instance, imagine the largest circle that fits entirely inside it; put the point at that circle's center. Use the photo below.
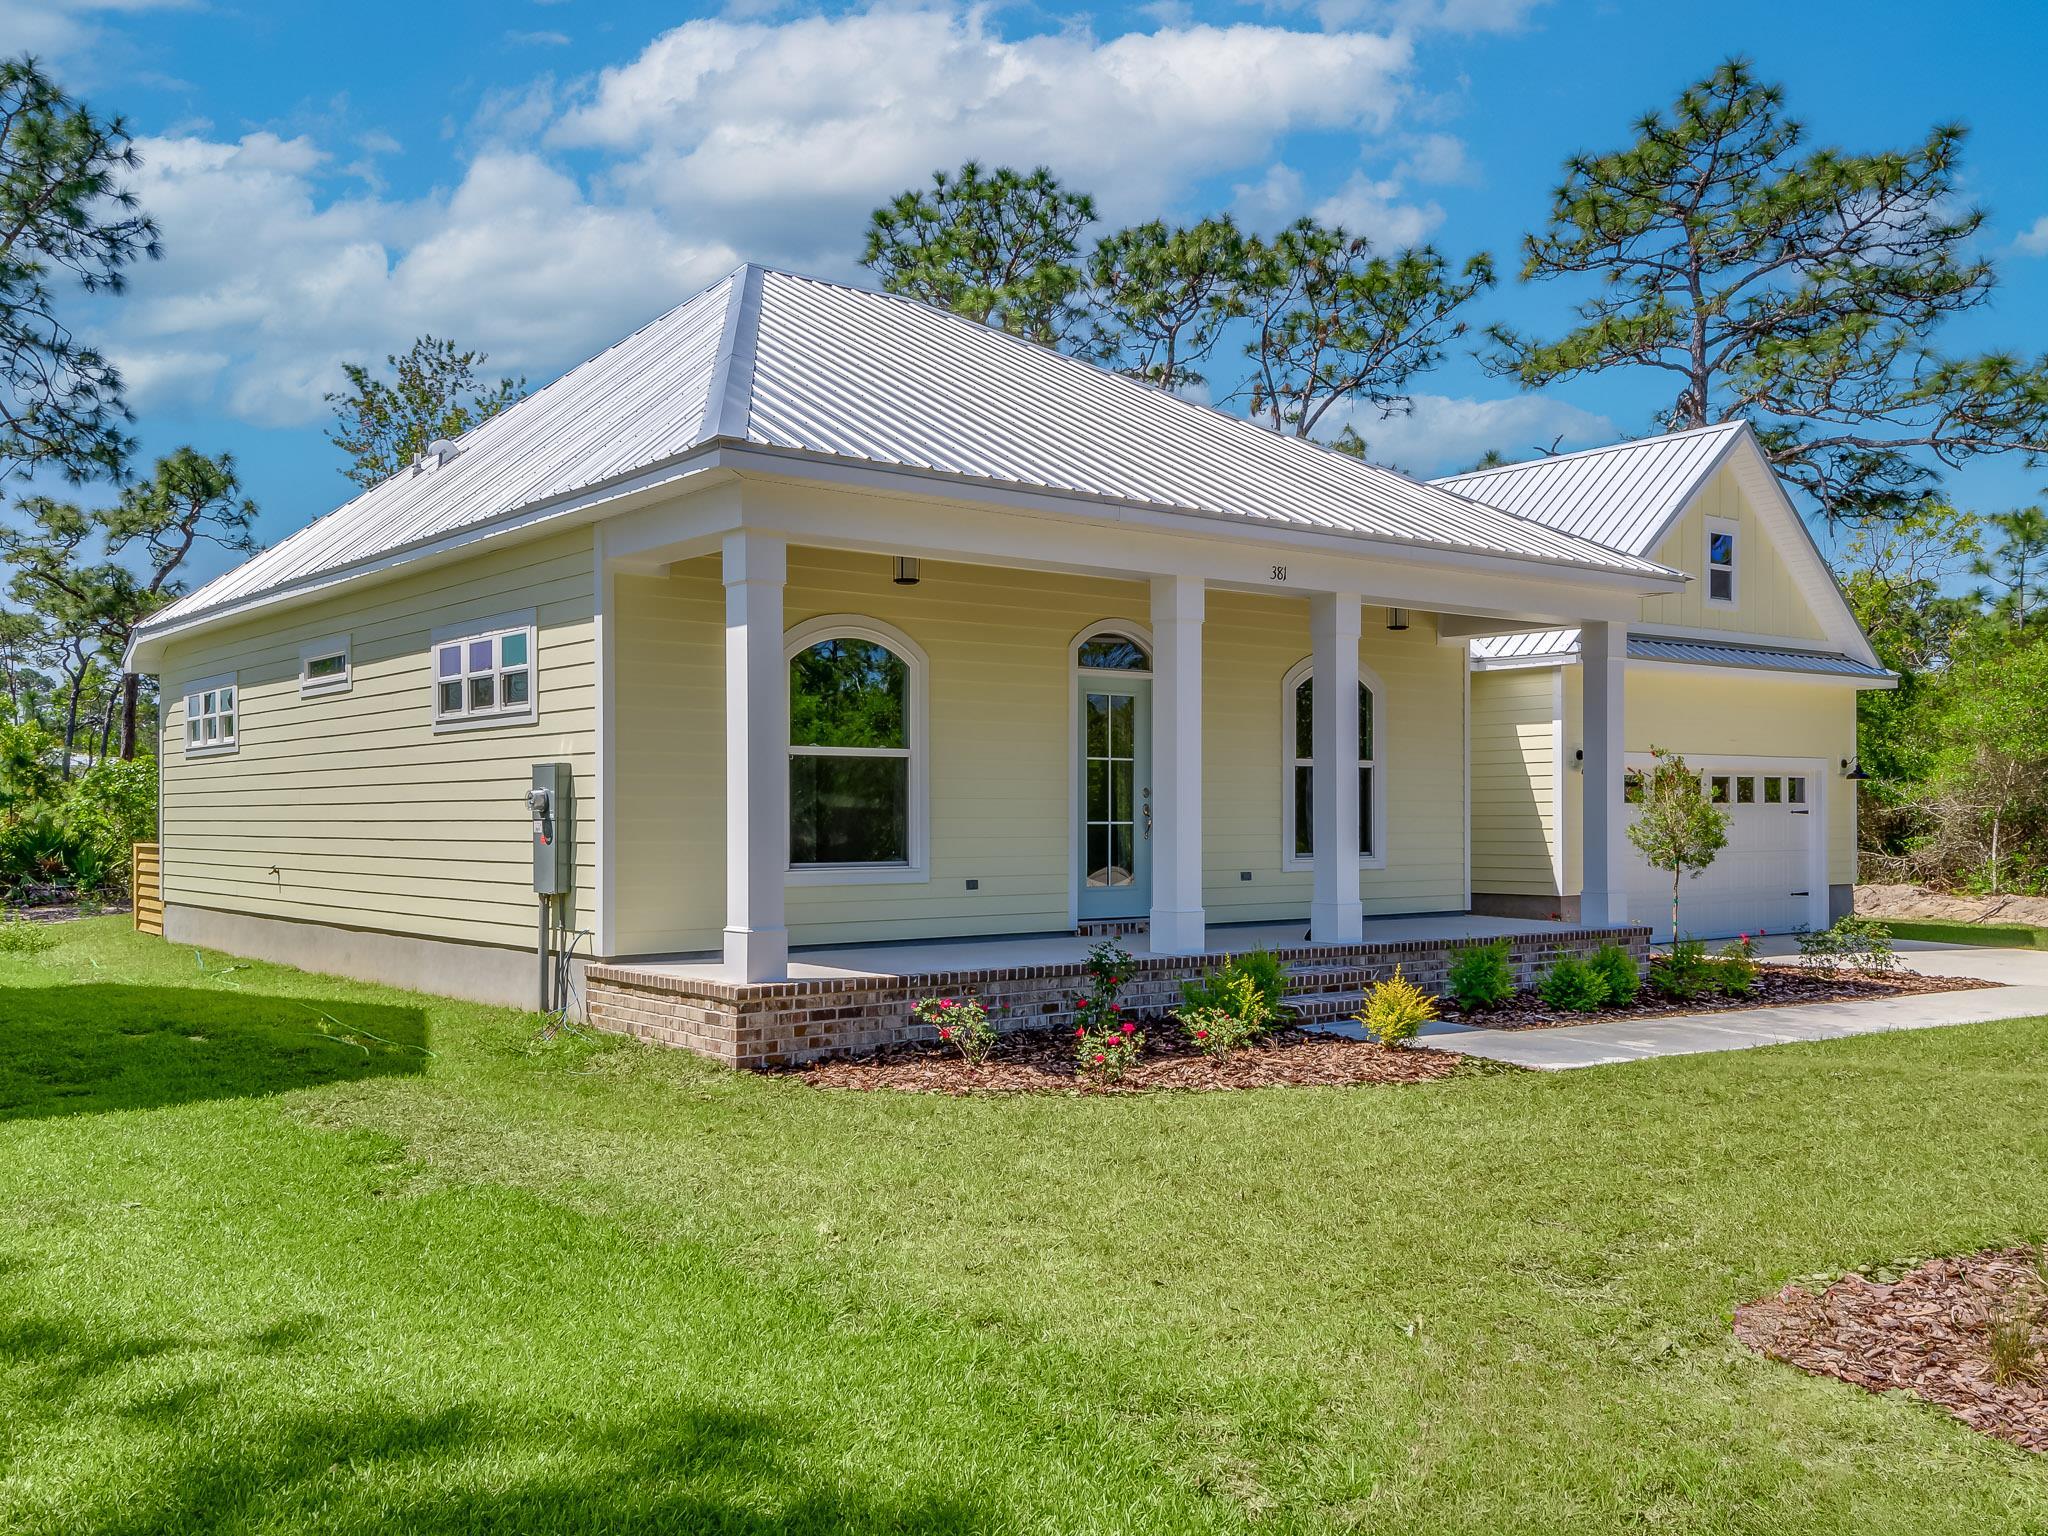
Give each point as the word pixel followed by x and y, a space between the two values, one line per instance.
pixel 1988 935
pixel 280 1252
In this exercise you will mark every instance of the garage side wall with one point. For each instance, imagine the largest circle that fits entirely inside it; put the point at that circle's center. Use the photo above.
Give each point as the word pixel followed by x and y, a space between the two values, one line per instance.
pixel 1516 820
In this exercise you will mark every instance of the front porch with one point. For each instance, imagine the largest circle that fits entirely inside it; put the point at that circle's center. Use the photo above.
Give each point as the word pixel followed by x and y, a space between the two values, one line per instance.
pixel 857 998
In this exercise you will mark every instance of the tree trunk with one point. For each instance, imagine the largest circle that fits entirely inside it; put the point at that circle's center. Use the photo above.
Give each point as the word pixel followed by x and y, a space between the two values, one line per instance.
pixel 131 692
pixel 107 727
pixel 71 723
pixel 1676 871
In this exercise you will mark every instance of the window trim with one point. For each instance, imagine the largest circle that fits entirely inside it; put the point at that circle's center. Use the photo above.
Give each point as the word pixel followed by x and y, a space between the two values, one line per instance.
pixel 315 650
pixel 522 622
pixel 225 747
pixel 1716 526
pixel 1123 629
pixel 1376 812
pixel 916 870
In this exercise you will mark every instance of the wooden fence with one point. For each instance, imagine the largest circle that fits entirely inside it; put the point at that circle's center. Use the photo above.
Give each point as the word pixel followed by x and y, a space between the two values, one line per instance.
pixel 146 883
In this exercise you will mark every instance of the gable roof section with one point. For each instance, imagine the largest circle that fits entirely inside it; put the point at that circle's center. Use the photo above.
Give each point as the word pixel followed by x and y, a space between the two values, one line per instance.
pixel 791 365
pixel 1632 494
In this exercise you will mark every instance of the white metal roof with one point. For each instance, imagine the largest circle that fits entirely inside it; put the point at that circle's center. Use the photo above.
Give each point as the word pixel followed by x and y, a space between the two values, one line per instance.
pixel 796 365
pixel 1537 647
pixel 1624 496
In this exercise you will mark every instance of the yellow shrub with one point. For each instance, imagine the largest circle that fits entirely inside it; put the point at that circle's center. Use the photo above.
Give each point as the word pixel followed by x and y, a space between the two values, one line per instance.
pixel 1395 1009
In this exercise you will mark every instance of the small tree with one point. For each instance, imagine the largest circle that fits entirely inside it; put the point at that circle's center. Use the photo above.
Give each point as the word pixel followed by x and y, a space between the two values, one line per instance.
pixel 1163 296
pixel 1678 827
pixel 434 393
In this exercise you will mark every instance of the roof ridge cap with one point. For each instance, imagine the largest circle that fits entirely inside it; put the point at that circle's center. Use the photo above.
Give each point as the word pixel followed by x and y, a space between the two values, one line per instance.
pixel 729 401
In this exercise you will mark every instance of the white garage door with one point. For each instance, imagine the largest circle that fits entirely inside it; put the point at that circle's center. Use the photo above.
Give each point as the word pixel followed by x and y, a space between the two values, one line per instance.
pixel 1765 880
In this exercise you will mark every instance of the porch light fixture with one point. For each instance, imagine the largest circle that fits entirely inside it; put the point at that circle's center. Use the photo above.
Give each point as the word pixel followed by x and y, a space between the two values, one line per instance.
pixel 1397 618
pixel 907 573
pixel 1855 773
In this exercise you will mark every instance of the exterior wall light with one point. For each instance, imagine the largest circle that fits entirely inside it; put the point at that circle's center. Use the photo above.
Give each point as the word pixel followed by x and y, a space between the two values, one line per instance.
pixel 1397 618
pixel 907 572
pixel 1854 773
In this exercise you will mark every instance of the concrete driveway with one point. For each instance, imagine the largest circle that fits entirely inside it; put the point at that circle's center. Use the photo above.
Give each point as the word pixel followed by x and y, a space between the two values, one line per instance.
pixel 2022 992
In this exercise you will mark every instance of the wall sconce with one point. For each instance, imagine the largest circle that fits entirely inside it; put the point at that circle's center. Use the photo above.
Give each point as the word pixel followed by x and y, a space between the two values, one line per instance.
pixel 907 572
pixel 1397 618
pixel 1579 761
pixel 1854 775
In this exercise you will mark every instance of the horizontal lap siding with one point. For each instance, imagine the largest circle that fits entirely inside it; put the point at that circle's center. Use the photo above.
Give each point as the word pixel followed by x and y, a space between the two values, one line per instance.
pixel 369 818
pixel 1514 781
pixel 1250 643
pixel 1001 698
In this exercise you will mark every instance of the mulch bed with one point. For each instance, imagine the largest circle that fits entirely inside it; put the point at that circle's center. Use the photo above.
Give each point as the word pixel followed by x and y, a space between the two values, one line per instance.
pixel 1777 986
pixel 1042 1061
pixel 1926 1332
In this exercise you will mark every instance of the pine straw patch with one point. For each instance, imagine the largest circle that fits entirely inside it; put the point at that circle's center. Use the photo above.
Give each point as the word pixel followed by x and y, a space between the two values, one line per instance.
pixel 1777 986
pixel 1042 1061
pixel 1928 1332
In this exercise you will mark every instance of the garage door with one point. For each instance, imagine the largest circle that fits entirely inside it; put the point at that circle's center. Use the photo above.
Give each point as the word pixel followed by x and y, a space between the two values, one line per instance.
pixel 1764 880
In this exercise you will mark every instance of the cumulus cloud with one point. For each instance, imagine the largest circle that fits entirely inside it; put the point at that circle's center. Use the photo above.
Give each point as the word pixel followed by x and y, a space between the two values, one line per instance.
pixel 267 285
pixel 1444 434
pixel 785 135
pixel 1366 206
pixel 2034 241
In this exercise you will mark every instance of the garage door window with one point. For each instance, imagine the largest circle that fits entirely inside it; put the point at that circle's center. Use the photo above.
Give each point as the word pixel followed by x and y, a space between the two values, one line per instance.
pixel 1795 791
pixel 1717 790
pixel 1745 790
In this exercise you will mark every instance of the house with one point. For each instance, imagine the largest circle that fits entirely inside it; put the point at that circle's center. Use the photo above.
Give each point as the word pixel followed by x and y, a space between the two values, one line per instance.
pixel 1750 672
pixel 866 651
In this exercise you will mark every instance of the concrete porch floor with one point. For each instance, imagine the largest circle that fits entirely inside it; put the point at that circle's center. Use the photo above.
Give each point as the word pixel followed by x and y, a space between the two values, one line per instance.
pixel 944 956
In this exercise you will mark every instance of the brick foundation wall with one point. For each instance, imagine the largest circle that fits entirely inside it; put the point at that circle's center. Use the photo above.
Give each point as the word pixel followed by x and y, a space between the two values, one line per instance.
pixel 773 1024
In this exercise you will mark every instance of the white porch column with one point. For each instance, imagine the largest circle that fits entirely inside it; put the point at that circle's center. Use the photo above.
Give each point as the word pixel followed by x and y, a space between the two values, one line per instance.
pixel 756 758
pixel 1335 916
pixel 1603 654
pixel 1178 924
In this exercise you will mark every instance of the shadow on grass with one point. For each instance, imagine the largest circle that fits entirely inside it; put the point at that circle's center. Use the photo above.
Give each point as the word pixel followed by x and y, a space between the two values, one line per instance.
pixel 203 1461
pixel 80 1049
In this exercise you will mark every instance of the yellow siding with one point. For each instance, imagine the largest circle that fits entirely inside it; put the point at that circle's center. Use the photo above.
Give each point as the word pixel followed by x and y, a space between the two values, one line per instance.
pixel 1001 700
pixel 1767 601
pixel 1703 713
pixel 1514 781
pixel 369 819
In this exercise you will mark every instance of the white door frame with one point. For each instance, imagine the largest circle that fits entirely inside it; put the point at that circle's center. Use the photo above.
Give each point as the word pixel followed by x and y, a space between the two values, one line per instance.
pixel 1142 633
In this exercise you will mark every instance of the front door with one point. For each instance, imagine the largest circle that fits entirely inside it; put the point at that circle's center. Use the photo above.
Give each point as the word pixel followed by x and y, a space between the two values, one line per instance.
pixel 1116 796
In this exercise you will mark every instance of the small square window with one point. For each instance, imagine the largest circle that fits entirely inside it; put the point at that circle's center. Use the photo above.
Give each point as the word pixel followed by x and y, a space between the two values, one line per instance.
pixel 515 688
pixel 486 677
pixel 451 661
pixel 1718 792
pixel 479 655
pixel 1721 549
pixel 1795 791
pixel 451 698
pixel 1774 791
pixel 324 665
pixel 210 718
pixel 1745 790
pixel 512 651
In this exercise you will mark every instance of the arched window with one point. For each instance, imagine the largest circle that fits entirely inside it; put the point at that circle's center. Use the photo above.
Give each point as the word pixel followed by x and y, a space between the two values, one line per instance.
pixel 856 769
pixel 1111 650
pixel 1298 758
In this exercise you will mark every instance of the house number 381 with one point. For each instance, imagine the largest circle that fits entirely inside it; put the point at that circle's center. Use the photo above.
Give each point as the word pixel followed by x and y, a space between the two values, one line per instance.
pixel 1279 573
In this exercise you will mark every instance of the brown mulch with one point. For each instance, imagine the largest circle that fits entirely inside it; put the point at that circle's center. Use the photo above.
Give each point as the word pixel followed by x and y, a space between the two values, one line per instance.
pixel 1042 1061
pixel 1777 986
pixel 1925 1332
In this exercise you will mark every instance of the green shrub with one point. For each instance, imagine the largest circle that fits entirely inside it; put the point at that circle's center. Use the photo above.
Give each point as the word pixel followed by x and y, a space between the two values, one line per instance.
pixel 19 936
pixel 1106 1052
pixel 1573 986
pixel 1850 943
pixel 1480 976
pixel 1395 1010
pixel 1618 968
pixel 1683 973
pixel 1266 973
pixel 1240 1018
pixel 961 1022
pixel 1735 970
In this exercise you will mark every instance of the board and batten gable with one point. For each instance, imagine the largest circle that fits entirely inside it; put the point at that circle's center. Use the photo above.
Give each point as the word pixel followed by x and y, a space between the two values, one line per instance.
pixel 1767 598
pixel 999 732
pixel 348 807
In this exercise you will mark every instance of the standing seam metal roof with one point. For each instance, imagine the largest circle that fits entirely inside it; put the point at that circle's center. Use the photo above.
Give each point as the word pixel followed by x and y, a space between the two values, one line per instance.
pixel 794 363
pixel 1538 645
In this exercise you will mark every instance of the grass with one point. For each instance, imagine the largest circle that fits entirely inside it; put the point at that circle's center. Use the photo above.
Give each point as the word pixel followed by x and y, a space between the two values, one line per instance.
pixel 279 1252
pixel 1987 935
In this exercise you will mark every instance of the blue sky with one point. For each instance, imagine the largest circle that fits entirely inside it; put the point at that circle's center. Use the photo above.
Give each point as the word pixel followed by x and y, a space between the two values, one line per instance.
pixel 537 178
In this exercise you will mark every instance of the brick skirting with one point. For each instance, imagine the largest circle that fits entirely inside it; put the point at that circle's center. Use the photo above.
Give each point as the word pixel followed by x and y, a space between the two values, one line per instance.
pixel 779 1023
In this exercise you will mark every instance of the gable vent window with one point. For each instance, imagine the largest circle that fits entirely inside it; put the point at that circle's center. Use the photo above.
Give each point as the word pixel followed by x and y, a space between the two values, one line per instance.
pixel 324 666
pixel 1720 561
pixel 212 716
pixel 484 674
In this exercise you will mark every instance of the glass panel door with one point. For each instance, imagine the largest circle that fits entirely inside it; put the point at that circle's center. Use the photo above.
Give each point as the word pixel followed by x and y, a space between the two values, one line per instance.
pixel 1116 797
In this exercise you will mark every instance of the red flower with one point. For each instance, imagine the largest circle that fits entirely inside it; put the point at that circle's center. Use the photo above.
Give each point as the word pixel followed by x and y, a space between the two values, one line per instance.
pixel 1080 1030
pixel 944 1033
pixel 1201 1034
pixel 1128 1027
pixel 1098 1058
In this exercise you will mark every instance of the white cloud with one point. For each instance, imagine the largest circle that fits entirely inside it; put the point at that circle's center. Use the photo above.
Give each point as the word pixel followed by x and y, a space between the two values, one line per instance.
pixel 784 136
pixel 1443 434
pixel 265 288
pixel 1438 159
pixel 2034 241
pixel 64 29
pixel 1373 208
pixel 538 39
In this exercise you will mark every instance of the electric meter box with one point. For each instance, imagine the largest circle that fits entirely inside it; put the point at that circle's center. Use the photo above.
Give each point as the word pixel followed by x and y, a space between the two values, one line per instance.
pixel 551 804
